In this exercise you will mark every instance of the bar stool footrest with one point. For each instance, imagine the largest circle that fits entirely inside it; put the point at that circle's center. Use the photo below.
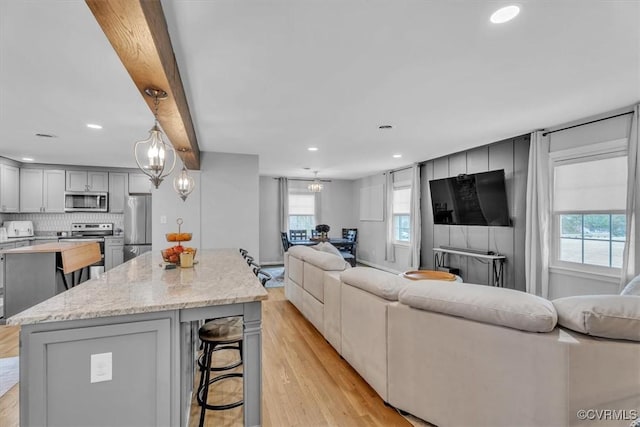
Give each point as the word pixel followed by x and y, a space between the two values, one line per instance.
pixel 219 407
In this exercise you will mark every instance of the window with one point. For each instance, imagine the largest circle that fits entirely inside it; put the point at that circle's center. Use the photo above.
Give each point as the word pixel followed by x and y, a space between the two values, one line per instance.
pixel 589 200
pixel 302 212
pixel 402 214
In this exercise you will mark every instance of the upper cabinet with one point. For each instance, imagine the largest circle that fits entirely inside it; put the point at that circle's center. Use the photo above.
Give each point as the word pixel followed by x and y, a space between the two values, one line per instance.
pixel 118 191
pixel 9 188
pixel 87 181
pixel 139 183
pixel 42 190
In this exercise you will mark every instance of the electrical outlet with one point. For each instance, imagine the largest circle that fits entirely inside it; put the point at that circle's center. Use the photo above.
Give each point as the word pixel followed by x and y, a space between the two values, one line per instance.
pixel 163 219
pixel 101 367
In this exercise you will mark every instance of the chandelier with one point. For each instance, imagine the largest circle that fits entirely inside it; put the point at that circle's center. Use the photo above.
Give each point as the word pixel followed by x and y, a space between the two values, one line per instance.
pixel 316 186
pixel 184 183
pixel 151 154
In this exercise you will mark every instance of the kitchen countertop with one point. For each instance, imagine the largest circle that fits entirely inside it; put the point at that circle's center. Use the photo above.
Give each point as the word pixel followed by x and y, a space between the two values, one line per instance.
pixel 46 247
pixel 26 239
pixel 221 276
pixel 74 255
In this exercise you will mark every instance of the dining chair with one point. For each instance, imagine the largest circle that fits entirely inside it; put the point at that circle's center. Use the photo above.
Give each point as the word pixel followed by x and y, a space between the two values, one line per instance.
pixel 298 234
pixel 285 241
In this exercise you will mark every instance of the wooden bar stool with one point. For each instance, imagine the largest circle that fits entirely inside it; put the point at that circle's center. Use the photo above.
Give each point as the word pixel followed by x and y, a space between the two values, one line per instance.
pixel 218 334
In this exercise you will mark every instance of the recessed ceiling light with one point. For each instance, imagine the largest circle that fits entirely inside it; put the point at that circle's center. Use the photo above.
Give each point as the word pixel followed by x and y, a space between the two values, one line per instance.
pixel 93 126
pixel 504 14
pixel 27 159
pixel 385 127
pixel 397 156
pixel 312 148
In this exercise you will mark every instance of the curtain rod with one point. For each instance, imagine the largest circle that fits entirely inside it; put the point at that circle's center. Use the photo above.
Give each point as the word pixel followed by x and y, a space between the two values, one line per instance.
pixel 403 168
pixel 306 179
pixel 587 123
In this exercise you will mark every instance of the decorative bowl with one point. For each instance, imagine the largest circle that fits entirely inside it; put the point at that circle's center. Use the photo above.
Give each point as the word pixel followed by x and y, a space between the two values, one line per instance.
pixel 172 256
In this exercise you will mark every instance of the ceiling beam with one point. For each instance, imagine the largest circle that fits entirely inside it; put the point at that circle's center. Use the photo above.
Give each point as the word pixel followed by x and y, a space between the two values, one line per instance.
pixel 138 32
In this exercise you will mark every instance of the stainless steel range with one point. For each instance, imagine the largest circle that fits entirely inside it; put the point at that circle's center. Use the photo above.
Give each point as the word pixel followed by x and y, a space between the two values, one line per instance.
pixel 93 232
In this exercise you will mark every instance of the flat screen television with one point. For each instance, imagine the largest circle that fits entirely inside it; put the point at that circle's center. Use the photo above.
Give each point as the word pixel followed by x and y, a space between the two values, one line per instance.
pixel 473 199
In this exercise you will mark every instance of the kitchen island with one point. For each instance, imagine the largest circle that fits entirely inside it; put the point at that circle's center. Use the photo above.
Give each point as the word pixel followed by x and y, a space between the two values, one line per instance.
pixel 119 349
pixel 33 274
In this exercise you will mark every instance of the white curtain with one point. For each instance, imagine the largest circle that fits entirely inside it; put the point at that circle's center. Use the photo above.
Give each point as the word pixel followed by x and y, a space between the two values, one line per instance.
pixel 538 217
pixel 283 203
pixel 630 257
pixel 416 218
pixel 389 253
pixel 317 206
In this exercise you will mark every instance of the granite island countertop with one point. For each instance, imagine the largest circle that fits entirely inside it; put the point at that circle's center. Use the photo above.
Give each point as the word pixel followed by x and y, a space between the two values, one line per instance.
pixel 221 276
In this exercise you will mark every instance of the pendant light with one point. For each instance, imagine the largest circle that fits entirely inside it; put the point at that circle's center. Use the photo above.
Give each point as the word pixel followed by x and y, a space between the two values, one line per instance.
pixel 153 151
pixel 184 183
pixel 316 186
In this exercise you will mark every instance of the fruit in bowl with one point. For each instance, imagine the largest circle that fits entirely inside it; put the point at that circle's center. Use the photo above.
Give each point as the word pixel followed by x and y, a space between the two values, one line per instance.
pixel 178 237
pixel 172 254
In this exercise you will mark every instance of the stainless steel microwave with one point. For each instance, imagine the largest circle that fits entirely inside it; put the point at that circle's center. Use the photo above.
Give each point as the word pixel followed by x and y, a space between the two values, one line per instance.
pixel 86 202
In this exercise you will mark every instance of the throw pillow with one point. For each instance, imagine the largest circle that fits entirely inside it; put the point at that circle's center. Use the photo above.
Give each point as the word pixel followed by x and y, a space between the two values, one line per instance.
pixel 633 287
pixel 329 248
pixel 607 316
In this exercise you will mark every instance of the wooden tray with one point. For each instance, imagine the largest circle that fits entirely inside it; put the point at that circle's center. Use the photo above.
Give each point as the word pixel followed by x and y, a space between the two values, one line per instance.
pixel 429 275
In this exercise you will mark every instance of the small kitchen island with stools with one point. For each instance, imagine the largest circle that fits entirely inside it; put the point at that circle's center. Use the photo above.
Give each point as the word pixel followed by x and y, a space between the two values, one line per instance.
pixel 119 350
pixel 36 273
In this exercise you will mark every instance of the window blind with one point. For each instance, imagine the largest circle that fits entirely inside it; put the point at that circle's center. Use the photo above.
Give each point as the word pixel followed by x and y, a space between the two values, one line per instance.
pixel 301 204
pixel 596 185
pixel 402 201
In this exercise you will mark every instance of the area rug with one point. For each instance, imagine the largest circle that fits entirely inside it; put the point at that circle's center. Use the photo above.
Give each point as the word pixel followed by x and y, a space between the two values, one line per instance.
pixel 277 277
pixel 9 373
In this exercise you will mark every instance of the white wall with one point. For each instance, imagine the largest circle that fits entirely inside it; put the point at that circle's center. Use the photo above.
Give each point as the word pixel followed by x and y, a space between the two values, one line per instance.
pixel 229 202
pixel 167 207
pixel 372 234
pixel 337 209
pixel 270 245
pixel 564 282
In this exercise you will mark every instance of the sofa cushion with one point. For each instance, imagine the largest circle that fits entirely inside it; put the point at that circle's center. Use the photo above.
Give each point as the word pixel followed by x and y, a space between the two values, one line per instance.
pixel 325 261
pixel 381 283
pixel 498 306
pixel 329 248
pixel 320 259
pixel 632 288
pixel 607 316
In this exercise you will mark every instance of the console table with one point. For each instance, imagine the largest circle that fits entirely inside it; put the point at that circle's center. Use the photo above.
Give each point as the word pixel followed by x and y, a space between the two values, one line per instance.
pixel 497 262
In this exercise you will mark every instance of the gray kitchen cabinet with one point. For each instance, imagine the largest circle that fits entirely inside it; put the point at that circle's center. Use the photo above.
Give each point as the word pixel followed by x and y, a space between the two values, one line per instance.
pixel 139 184
pixel 3 246
pixel 96 368
pixel 9 188
pixel 118 191
pixel 87 181
pixel 42 190
pixel 113 252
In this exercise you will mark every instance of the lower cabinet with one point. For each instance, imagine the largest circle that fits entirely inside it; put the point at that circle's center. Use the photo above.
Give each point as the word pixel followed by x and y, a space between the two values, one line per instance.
pixel 113 252
pixel 84 373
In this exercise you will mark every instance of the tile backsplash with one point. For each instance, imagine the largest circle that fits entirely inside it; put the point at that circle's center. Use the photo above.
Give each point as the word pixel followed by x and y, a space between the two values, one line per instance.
pixel 48 222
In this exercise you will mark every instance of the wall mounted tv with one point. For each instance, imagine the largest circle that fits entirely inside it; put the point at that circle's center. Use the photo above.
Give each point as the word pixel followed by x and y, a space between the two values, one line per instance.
pixel 474 199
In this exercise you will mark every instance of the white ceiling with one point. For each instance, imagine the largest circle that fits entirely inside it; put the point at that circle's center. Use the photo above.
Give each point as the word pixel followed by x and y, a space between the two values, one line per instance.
pixel 274 77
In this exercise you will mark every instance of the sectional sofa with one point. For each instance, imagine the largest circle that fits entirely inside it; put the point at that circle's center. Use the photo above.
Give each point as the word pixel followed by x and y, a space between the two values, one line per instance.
pixel 457 354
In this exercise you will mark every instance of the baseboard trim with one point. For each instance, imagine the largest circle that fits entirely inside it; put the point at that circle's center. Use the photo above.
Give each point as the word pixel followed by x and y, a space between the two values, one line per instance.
pixel 268 263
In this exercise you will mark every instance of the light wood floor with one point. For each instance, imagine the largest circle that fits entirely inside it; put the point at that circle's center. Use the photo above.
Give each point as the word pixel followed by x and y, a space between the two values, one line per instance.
pixel 304 380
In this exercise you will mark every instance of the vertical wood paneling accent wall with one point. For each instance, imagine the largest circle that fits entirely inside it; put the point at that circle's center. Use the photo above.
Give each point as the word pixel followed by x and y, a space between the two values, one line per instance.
pixel 512 156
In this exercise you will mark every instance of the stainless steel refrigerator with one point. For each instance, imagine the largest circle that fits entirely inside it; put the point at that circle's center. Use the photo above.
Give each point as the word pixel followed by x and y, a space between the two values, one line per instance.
pixel 137 226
